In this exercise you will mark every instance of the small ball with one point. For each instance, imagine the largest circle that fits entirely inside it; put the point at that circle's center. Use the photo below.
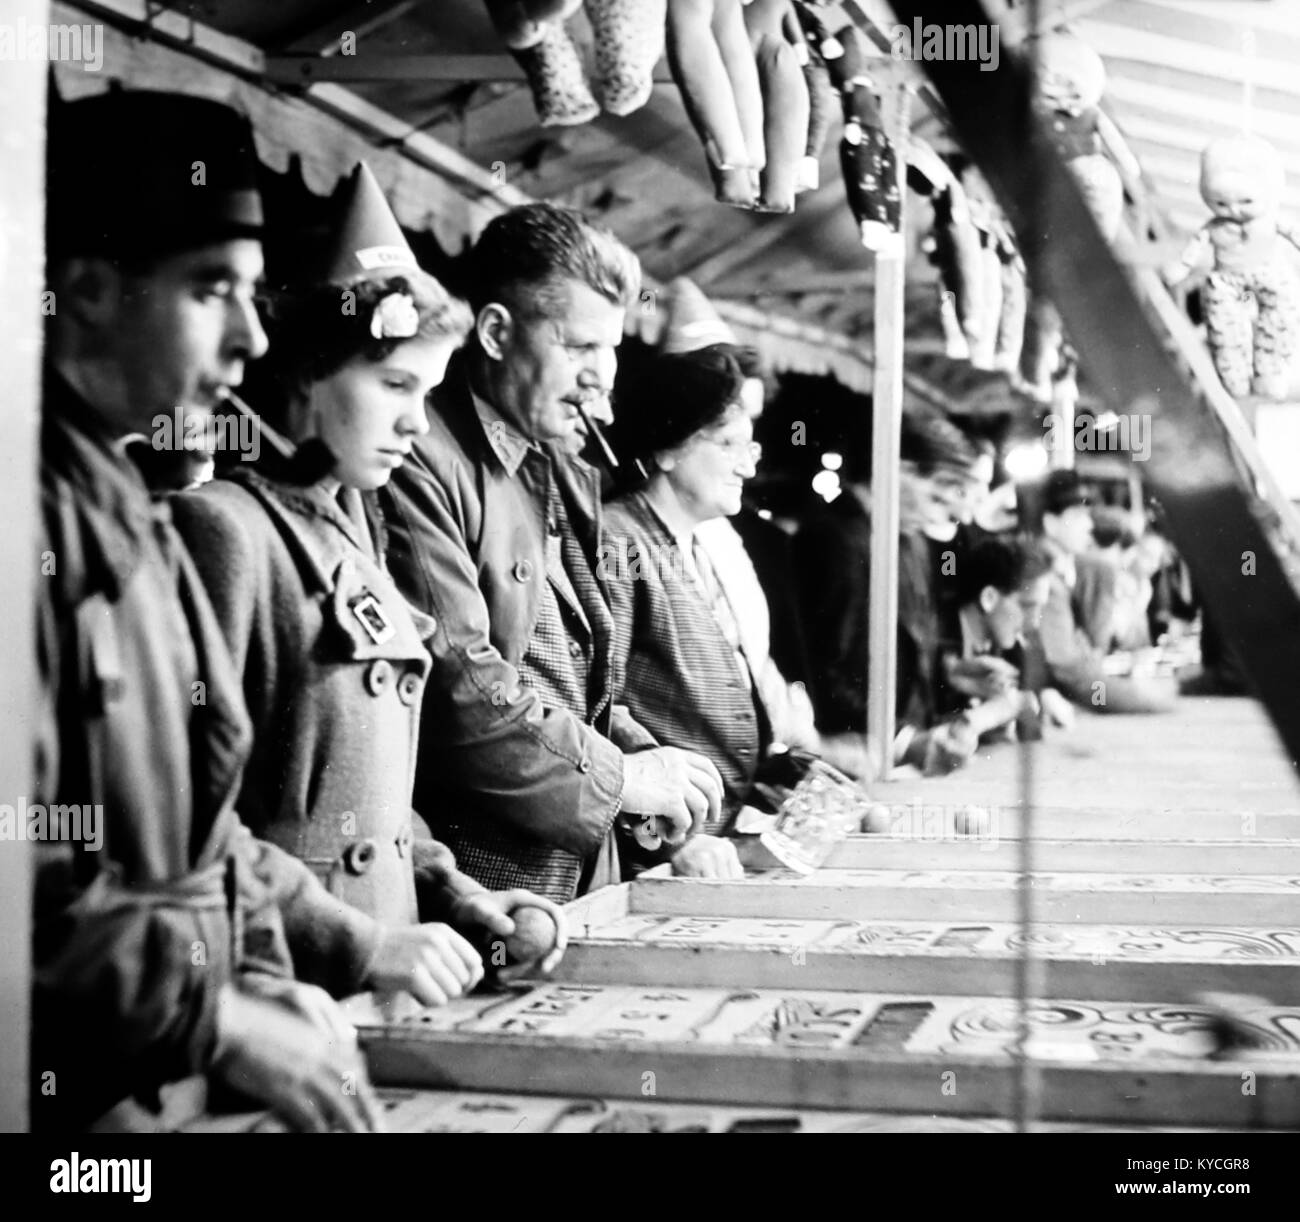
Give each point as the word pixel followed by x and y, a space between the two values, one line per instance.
pixel 534 935
pixel 877 819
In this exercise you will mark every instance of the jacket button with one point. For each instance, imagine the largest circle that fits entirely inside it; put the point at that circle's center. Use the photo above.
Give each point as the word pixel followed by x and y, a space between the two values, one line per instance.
pixel 575 650
pixel 584 764
pixel 409 687
pixel 379 674
pixel 359 857
pixel 404 842
pixel 523 570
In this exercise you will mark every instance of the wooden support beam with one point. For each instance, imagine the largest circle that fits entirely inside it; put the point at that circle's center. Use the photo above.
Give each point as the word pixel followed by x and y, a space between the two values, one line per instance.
pixel 980 895
pixel 602 1041
pixel 361 20
pixel 940 851
pixel 1101 963
pixel 22 268
pixel 886 433
pixel 386 66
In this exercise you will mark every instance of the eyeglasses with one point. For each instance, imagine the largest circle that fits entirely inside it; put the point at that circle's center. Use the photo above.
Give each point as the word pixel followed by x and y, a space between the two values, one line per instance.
pixel 734 450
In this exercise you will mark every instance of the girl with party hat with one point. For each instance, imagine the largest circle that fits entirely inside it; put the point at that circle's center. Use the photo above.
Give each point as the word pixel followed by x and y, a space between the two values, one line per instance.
pixel 291 549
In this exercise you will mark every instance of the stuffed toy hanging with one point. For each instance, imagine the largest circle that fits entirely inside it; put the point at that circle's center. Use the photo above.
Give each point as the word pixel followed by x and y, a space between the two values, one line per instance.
pixel 867 157
pixel 629 41
pixel 714 67
pixel 983 216
pixel 557 78
pixel 1011 319
pixel 780 53
pixel 956 252
pixel 521 24
pixel 1041 357
pixel 1071 80
pixel 1251 301
pixel 823 106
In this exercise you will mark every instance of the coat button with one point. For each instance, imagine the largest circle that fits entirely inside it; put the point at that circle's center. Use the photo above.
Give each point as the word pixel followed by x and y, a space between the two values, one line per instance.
pixel 523 570
pixel 409 687
pixel 359 857
pixel 575 650
pixel 584 764
pixel 379 674
pixel 404 842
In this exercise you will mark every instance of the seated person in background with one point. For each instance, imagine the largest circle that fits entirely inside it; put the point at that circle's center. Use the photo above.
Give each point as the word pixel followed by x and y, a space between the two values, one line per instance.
pixel 1073 663
pixel 1110 595
pixel 1001 590
pixel 833 565
pixel 330 655
pixel 685 674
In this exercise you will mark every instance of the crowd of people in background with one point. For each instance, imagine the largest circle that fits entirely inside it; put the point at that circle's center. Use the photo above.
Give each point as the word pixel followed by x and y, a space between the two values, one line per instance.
pixel 361 708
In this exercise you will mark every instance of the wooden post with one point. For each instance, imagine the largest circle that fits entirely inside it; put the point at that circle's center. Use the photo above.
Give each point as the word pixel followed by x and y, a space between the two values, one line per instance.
pixel 886 428
pixel 22 259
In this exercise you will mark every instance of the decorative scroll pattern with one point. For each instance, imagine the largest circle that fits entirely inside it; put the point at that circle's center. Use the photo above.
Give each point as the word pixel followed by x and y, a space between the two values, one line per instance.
pixel 1082 1031
pixel 993 938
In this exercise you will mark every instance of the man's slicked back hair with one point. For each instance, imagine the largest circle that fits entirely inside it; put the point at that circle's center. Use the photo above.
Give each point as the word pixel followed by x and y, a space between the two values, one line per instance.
pixel 523 256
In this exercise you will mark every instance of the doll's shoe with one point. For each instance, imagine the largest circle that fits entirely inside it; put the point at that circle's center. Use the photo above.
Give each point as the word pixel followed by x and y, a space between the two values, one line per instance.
pixel 808 177
pixel 521 24
pixel 878 237
pixel 735 185
pixel 1271 386
pixel 557 80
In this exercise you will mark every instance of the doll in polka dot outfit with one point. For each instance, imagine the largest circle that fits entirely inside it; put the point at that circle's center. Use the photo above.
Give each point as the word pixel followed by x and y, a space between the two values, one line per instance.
pixel 1251 298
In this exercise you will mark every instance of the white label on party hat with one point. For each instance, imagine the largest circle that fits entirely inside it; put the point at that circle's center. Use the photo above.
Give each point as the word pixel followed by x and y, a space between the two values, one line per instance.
pixel 383 256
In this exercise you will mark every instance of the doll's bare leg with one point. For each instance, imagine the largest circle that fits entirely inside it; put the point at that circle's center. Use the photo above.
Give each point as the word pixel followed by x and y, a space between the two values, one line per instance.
pixel 785 109
pixel 1228 306
pixel 738 56
pixel 1277 326
pixel 1011 320
pixel 1102 190
pixel 985 342
pixel 698 69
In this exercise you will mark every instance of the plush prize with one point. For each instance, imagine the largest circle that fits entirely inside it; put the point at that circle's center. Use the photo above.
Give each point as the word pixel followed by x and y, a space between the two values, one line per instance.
pixel 956 252
pixel 629 41
pixel 780 53
pixel 1071 80
pixel 711 60
pixel 867 157
pixel 1251 300
pixel 823 106
pixel 557 78
pixel 521 24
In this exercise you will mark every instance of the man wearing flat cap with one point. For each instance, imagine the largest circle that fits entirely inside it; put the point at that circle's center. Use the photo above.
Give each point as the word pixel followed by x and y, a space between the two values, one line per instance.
pixel 163 951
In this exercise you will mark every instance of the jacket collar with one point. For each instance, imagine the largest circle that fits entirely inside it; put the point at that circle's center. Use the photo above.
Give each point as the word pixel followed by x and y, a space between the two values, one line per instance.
pixel 113 512
pixel 504 440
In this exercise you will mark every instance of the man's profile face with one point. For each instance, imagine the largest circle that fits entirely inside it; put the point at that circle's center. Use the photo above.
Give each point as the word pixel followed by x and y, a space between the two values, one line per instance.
pixel 183 330
pixel 553 361
pixel 1014 613
pixel 1071 529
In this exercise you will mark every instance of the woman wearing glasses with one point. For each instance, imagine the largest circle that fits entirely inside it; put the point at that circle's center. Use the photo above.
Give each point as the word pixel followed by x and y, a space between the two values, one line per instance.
pixel 686 676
